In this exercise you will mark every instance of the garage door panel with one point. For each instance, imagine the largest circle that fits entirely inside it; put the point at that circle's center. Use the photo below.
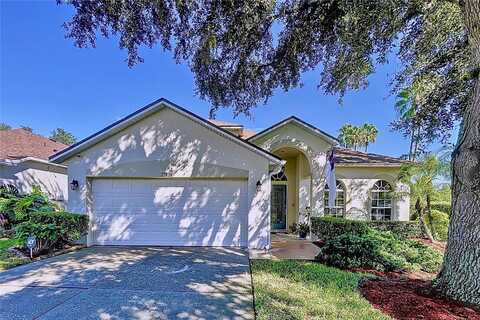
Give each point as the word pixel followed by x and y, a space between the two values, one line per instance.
pixel 165 220
pixel 211 236
pixel 170 212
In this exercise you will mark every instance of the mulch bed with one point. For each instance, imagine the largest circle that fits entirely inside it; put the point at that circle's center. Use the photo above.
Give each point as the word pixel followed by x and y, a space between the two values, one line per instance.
pixel 409 295
pixel 405 297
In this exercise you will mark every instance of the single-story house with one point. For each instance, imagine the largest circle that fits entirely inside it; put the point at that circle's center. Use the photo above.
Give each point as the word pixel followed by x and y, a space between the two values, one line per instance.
pixel 24 164
pixel 165 176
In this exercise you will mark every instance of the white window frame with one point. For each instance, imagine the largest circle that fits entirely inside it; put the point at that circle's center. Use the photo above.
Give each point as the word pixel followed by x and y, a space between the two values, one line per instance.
pixel 326 210
pixel 381 187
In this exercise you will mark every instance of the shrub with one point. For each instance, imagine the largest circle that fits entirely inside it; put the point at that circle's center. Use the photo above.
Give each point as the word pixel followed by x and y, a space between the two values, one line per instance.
pixel 47 235
pixel 378 250
pixel 443 206
pixel 326 228
pixel 440 224
pixel 17 209
pixel 71 226
pixel 52 229
pixel 405 229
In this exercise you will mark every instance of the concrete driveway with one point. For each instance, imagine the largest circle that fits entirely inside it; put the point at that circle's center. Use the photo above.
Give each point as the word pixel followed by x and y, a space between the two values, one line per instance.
pixel 111 283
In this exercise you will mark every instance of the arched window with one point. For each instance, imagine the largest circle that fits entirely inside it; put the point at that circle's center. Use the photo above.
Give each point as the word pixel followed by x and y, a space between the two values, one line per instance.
pixel 381 208
pixel 339 209
pixel 280 176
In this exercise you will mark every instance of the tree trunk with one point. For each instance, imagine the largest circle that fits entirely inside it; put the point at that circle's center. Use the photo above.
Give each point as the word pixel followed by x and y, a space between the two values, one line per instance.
pixel 430 218
pixel 421 218
pixel 415 148
pixel 460 276
pixel 410 151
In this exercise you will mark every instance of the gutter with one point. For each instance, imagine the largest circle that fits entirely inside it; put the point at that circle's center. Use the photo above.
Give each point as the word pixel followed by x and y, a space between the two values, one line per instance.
pixel 9 162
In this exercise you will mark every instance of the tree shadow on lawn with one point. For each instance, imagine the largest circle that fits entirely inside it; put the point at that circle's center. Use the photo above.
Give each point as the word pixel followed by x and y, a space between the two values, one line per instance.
pixel 300 290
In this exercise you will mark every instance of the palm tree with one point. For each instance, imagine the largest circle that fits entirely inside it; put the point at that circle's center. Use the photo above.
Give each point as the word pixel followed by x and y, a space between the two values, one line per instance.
pixel 347 136
pixel 354 137
pixel 406 108
pixel 420 179
pixel 369 134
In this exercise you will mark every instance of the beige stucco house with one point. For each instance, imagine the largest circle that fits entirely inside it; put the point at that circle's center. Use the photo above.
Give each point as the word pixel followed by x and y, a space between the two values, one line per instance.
pixel 165 176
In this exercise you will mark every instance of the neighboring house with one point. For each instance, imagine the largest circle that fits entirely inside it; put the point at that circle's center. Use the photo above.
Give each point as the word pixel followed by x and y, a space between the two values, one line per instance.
pixel 165 176
pixel 24 163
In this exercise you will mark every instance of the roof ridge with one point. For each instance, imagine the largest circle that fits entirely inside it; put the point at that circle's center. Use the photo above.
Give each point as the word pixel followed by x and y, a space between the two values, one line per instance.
pixel 367 153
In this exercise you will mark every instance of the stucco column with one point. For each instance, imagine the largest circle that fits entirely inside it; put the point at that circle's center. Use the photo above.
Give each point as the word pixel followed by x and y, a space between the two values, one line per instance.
pixel 317 163
pixel 258 223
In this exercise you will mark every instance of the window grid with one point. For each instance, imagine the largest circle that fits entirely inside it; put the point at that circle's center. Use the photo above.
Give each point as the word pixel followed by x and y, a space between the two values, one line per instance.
pixel 338 210
pixel 381 206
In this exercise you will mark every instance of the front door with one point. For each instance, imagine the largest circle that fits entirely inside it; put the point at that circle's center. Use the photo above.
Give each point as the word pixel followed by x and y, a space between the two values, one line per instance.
pixel 279 207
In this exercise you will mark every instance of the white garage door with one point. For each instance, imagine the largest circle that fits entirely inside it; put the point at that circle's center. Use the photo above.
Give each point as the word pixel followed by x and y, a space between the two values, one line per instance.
pixel 170 212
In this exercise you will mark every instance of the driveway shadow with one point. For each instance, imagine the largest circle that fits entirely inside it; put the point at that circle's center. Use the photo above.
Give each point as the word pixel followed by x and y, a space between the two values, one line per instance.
pixel 131 283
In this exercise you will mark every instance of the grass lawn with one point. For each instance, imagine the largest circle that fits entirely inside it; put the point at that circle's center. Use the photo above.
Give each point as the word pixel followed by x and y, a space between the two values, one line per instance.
pixel 8 260
pixel 305 290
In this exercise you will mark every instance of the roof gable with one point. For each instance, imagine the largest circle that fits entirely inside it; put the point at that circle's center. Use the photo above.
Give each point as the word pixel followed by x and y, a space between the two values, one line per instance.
pixel 305 125
pixel 144 112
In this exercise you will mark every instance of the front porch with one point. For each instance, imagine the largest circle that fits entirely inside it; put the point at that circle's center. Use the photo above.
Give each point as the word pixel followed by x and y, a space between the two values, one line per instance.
pixel 287 246
pixel 291 195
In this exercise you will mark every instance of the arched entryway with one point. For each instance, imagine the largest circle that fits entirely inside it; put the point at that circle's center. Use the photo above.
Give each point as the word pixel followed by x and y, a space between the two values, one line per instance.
pixel 291 195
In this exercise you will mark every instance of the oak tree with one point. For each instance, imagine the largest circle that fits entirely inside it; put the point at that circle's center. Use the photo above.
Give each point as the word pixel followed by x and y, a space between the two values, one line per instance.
pixel 241 51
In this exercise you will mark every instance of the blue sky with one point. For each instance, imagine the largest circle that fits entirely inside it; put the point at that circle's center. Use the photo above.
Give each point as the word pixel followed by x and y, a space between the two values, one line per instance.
pixel 47 83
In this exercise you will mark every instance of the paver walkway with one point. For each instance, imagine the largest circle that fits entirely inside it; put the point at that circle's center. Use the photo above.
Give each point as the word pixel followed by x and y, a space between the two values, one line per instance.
pixel 288 246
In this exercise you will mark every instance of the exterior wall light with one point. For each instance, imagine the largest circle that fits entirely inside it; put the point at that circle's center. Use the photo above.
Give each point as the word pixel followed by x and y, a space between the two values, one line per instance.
pixel 74 184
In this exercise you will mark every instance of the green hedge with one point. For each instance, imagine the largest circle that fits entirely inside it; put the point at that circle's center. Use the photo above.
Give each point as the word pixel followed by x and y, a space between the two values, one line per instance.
pixel 406 229
pixel 326 228
pixel 379 250
pixel 443 206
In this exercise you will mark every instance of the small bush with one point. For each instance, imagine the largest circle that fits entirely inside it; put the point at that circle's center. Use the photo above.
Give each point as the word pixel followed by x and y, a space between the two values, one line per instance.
pixel 71 226
pixel 443 206
pixel 16 209
pixel 440 224
pixel 326 228
pixel 47 235
pixel 52 229
pixel 35 214
pixel 379 250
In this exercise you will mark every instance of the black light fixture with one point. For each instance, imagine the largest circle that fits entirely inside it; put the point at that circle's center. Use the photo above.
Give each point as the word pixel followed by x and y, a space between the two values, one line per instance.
pixel 74 184
pixel 259 185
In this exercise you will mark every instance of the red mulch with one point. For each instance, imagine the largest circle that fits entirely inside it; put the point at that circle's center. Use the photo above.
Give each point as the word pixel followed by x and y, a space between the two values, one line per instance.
pixel 411 298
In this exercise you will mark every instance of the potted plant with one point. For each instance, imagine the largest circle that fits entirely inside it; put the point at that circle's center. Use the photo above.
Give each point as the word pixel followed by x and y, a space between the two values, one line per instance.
pixel 303 230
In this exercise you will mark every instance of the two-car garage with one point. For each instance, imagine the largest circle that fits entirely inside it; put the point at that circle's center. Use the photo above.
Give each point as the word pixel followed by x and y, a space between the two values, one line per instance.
pixel 173 212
